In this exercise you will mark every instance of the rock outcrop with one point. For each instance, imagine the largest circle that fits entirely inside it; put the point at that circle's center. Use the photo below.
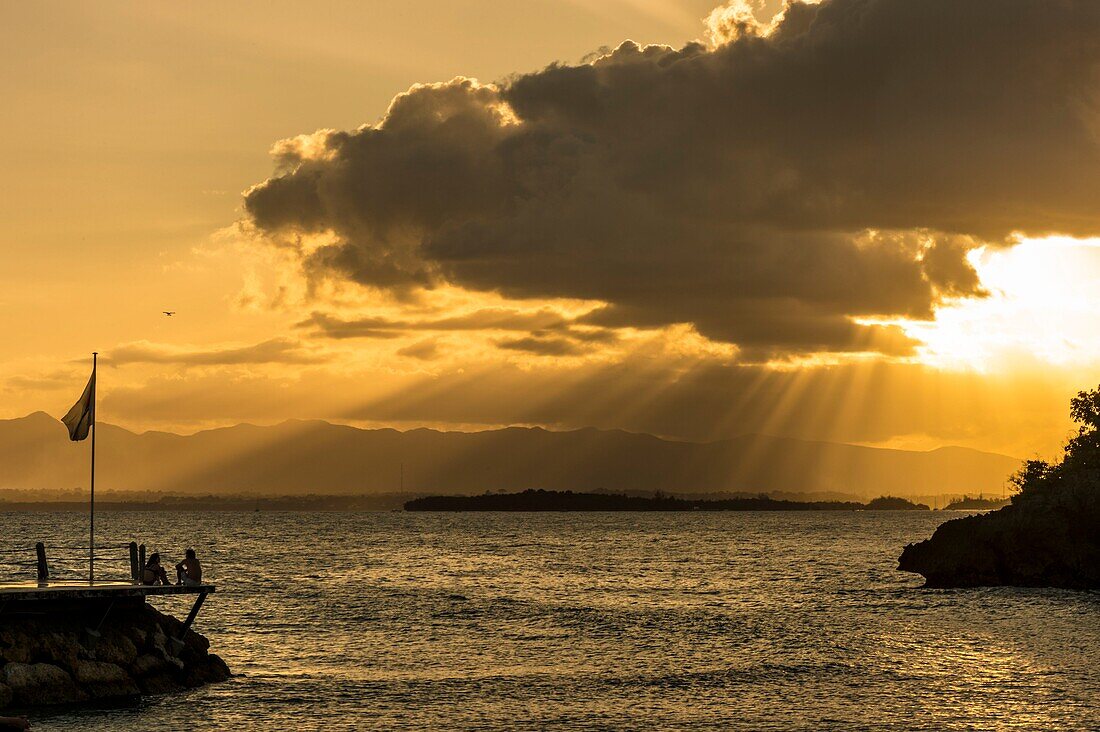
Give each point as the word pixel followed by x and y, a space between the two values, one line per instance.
pixel 56 659
pixel 1048 537
pixel 1025 545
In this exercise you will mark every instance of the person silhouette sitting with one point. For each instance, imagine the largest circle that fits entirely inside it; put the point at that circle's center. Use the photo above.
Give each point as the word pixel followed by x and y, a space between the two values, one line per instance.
pixel 189 571
pixel 153 572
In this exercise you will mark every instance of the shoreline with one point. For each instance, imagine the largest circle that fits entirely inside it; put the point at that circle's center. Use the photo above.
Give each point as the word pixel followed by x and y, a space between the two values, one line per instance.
pixel 531 501
pixel 399 502
pixel 154 508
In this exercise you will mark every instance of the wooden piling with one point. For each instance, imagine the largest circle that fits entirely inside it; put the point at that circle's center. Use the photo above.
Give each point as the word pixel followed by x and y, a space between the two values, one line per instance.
pixel 141 563
pixel 43 568
pixel 135 568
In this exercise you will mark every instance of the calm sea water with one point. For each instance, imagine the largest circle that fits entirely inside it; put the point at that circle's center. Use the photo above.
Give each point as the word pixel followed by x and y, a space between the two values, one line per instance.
pixel 756 621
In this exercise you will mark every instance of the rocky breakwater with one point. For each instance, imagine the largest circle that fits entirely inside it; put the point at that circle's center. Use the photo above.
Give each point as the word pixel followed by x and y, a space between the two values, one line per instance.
pixel 54 658
pixel 1048 537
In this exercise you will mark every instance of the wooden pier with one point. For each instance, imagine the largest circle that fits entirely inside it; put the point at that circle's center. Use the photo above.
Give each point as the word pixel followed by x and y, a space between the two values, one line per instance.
pixel 49 594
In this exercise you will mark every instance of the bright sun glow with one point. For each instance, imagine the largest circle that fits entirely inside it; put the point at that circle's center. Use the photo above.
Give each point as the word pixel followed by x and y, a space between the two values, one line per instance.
pixel 1042 307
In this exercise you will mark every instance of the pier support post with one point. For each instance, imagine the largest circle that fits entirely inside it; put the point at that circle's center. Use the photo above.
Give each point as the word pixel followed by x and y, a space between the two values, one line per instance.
pixel 135 568
pixel 193 614
pixel 43 568
pixel 141 563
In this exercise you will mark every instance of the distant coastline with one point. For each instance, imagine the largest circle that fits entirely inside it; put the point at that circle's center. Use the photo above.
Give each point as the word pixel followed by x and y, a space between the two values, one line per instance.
pixel 542 500
pixel 530 500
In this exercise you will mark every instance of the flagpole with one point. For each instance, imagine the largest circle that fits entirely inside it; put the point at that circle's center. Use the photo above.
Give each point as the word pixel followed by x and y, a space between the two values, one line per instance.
pixel 91 506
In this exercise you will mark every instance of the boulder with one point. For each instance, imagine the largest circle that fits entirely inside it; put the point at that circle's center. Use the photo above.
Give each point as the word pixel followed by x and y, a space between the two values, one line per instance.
pixel 158 640
pixel 60 647
pixel 138 636
pixel 99 672
pixel 208 670
pixel 147 665
pixel 102 680
pixel 117 648
pixel 41 684
pixel 14 645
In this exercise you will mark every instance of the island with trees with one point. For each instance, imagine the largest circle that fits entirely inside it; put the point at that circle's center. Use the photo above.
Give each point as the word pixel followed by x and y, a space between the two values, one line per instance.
pixel 1049 536
pixel 980 503
pixel 543 500
pixel 893 503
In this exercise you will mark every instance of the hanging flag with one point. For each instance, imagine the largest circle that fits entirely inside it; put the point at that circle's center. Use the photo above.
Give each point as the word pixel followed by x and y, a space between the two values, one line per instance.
pixel 81 417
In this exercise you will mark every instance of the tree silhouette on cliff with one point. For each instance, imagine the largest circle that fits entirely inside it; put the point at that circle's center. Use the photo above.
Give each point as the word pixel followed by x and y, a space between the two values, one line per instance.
pixel 1048 537
pixel 1075 481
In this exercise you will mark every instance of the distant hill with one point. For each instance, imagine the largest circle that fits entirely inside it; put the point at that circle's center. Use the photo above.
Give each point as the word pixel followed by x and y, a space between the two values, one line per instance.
pixel 317 457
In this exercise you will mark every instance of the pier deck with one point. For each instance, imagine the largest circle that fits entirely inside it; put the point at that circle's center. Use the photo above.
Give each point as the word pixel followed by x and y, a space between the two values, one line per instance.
pixel 92 597
pixel 95 590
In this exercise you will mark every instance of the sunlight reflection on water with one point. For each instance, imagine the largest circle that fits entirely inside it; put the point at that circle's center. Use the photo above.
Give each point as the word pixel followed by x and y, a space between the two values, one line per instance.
pixel 570 621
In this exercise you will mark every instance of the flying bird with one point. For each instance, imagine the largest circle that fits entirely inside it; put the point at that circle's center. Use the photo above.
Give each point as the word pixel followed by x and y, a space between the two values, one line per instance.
pixel 169 313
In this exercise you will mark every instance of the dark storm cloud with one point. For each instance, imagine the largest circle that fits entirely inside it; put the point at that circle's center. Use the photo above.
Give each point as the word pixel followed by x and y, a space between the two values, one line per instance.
pixel 277 350
pixel 333 327
pixel 768 190
pixel 485 319
pixel 549 334
pixel 544 345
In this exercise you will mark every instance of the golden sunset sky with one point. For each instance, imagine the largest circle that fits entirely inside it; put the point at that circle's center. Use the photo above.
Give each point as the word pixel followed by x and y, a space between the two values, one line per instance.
pixel 867 221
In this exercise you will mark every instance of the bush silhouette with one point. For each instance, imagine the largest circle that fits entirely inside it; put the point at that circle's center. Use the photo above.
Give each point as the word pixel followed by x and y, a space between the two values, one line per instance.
pixel 1073 482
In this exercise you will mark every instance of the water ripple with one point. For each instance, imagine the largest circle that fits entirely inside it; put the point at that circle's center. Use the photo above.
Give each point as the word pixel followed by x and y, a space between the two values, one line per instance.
pixel 744 621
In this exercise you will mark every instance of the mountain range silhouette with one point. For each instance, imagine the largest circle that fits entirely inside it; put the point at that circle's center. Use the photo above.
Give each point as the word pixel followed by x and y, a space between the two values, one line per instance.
pixel 298 457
